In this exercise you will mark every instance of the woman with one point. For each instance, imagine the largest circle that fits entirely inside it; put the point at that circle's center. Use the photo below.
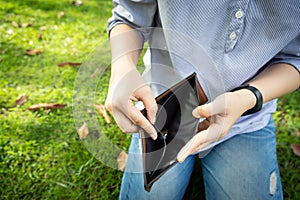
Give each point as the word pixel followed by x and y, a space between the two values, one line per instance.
pixel 254 46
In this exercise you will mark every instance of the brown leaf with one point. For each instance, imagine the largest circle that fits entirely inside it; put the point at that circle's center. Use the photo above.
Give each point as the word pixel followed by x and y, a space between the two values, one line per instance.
pixel 71 64
pixel 77 2
pixel 296 149
pixel 102 111
pixel 15 24
pixel 122 158
pixel 21 99
pixel 49 106
pixel 40 36
pixel 33 52
pixel 83 131
pixel 24 25
pixel 95 73
pixel 60 14
pixel 297 133
pixel 9 31
pixel 43 28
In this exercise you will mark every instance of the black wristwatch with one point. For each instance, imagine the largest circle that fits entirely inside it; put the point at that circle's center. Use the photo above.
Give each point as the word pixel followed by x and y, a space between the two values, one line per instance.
pixel 258 95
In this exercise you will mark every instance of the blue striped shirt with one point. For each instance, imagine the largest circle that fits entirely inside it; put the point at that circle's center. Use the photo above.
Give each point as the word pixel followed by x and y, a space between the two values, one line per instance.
pixel 226 42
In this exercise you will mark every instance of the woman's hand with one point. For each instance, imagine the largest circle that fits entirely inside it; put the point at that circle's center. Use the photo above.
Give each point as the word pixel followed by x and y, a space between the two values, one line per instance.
pixel 126 87
pixel 225 110
pixel 221 114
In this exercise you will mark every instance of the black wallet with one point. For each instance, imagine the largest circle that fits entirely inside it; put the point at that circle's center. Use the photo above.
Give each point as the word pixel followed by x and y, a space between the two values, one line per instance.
pixel 175 126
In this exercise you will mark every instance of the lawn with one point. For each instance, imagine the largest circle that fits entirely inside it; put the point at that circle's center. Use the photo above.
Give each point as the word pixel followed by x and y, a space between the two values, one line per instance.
pixel 41 154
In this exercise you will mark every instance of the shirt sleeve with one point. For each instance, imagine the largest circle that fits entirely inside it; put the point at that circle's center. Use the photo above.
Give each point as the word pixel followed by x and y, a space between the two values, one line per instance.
pixel 290 54
pixel 138 14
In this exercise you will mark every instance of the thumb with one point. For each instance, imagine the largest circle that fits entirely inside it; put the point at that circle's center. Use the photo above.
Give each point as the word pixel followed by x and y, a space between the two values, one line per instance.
pixel 207 110
pixel 150 105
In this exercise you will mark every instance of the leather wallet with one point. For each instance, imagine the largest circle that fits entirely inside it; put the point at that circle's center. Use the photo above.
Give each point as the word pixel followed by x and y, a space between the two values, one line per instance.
pixel 175 126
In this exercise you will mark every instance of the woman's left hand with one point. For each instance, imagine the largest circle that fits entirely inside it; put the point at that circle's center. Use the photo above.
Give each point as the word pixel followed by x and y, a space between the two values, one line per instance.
pixel 221 114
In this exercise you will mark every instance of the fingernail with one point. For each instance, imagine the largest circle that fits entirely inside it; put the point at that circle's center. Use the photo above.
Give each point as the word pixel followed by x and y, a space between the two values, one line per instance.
pixel 154 120
pixel 181 159
pixel 195 113
pixel 182 154
pixel 153 134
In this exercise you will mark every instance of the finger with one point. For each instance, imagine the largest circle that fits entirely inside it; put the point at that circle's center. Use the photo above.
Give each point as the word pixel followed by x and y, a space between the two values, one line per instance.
pixel 123 117
pixel 210 109
pixel 185 151
pixel 150 105
pixel 124 123
pixel 200 141
pixel 138 119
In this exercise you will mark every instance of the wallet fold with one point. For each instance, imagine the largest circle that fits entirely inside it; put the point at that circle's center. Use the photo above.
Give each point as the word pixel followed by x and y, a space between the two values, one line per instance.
pixel 175 126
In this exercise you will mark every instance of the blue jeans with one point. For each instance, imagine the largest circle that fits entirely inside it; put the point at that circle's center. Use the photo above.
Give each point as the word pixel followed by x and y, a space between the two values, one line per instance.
pixel 243 167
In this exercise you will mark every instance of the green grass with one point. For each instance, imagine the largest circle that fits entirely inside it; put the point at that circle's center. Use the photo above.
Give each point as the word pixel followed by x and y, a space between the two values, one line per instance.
pixel 41 155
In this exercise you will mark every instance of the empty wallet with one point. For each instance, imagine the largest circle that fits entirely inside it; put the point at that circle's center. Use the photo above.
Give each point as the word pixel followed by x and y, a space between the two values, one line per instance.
pixel 175 126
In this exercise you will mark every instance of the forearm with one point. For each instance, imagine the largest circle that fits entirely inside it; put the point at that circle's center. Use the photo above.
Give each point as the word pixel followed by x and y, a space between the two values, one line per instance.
pixel 126 47
pixel 275 81
pixel 127 85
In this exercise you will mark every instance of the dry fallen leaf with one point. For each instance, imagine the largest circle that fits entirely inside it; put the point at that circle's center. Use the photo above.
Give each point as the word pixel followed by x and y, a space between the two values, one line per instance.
pixel 15 24
pixel 77 3
pixel 95 73
pixel 60 14
pixel 296 149
pixel 83 131
pixel 43 28
pixel 47 106
pixel 71 64
pixel 122 158
pixel 21 99
pixel 40 36
pixel 33 52
pixel 9 31
pixel 24 25
pixel 102 111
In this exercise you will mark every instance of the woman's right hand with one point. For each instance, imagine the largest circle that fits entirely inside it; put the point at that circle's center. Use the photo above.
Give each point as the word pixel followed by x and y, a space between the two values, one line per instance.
pixel 126 87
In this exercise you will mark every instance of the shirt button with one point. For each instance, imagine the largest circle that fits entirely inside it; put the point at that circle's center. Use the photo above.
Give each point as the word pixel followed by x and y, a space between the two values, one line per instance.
pixel 232 35
pixel 239 14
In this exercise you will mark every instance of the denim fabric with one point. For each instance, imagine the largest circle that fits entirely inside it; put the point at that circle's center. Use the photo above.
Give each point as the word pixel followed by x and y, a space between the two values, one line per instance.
pixel 243 167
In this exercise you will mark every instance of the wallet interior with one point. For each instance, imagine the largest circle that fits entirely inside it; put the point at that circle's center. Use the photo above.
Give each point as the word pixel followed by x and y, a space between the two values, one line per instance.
pixel 175 126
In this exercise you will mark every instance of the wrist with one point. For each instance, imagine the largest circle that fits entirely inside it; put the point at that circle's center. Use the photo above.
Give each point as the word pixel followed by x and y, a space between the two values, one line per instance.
pixel 246 98
pixel 123 63
pixel 121 67
pixel 127 75
pixel 250 97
